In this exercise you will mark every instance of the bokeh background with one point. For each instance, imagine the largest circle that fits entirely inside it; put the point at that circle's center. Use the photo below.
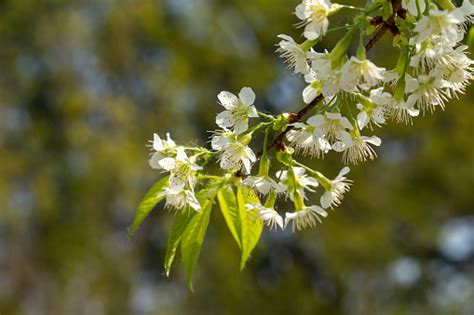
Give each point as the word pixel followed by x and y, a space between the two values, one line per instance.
pixel 83 86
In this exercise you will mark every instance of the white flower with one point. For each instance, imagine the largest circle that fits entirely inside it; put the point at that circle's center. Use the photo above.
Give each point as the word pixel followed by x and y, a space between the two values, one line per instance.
pixel 305 218
pixel 322 71
pixel 321 64
pixel 332 84
pixel 367 115
pixel 357 148
pixel 440 23
pixel 182 170
pixel 391 77
pixel 357 73
pixel 331 126
pixel 456 58
pixel 313 89
pixel 380 97
pixel 314 14
pixel 301 182
pixel 234 153
pixel 269 216
pixel 161 148
pixel 304 139
pixel 338 187
pixel 410 5
pixel 456 81
pixel 179 199
pixel 400 112
pixel 373 112
pixel 429 53
pixel 293 54
pixel 426 92
pixel 397 110
pixel 457 71
pixel 238 110
pixel 262 184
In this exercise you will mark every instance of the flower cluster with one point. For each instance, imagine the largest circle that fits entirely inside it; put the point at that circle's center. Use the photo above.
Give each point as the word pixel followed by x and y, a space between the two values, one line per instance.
pixel 355 93
pixel 348 96
pixel 182 179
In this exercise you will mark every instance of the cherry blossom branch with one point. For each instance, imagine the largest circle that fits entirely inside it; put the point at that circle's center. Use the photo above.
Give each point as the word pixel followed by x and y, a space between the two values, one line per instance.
pixel 386 25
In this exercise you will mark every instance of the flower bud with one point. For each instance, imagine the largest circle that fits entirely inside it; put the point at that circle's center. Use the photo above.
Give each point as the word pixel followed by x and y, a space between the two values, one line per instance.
pixel 245 139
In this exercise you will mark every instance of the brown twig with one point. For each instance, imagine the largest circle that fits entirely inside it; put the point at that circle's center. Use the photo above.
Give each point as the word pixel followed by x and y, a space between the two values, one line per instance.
pixel 278 142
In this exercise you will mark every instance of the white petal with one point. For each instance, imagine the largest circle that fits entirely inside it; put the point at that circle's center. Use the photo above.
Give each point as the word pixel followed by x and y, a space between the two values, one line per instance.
pixel 308 182
pixel 346 123
pixel 157 143
pixel 309 94
pixel 291 215
pixel 247 96
pixel 339 146
pixel 373 140
pixel 155 159
pixel 343 172
pixel 411 85
pixel 319 210
pixel 227 99
pixel 316 120
pixel 241 125
pixel 279 221
pixel 228 161
pixel 192 201
pixel 225 119
pixel 250 154
pixel 346 138
pixel 181 154
pixel 170 141
pixel 219 142
pixel 263 186
pixel 299 171
pixel 333 116
pixel 413 112
pixel 363 119
pixel 253 111
pixel 286 37
pixel 176 185
pixel 247 165
pixel 300 11
pixel 168 164
pixel 195 167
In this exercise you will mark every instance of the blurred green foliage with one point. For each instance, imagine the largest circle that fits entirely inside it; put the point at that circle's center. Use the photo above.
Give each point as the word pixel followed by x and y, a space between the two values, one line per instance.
pixel 84 84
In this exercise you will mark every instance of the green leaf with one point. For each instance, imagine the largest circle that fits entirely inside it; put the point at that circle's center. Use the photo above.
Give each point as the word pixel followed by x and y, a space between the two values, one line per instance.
pixel 251 226
pixel 243 225
pixel 147 204
pixel 180 223
pixel 193 236
pixel 229 210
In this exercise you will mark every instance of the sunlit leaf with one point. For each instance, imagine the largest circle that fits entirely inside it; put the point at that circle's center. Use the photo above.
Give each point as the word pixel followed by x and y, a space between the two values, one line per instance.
pixel 147 204
pixel 180 223
pixel 228 205
pixel 251 226
pixel 193 236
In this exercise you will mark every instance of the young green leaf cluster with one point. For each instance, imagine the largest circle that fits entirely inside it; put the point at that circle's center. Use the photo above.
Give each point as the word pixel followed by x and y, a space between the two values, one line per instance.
pixel 347 95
